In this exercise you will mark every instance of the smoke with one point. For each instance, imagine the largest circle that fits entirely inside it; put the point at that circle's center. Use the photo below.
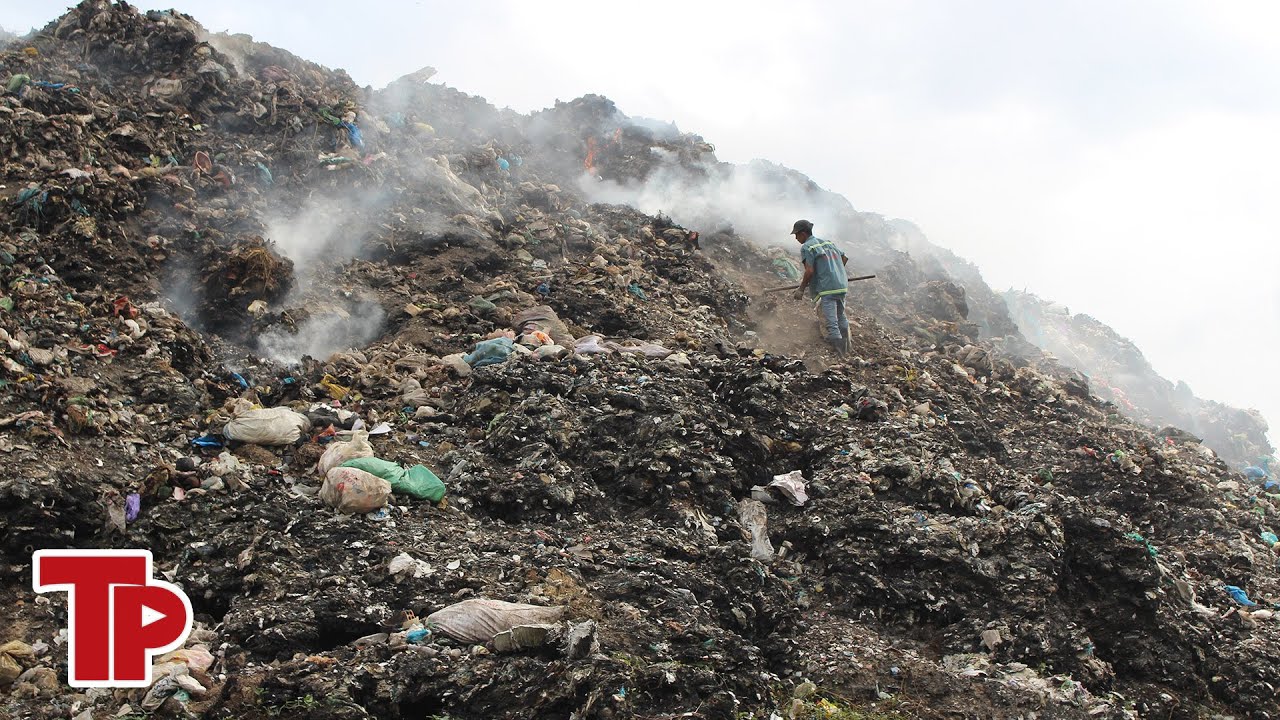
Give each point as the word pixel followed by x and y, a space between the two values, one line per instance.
pixel 331 229
pixel 353 218
pixel 180 279
pixel 323 334
pixel 326 231
pixel 759 200
pixel 231 47
pixel 324 234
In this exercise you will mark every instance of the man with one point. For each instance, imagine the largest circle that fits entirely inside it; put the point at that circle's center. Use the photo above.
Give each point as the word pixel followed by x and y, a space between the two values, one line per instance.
pixel 824 272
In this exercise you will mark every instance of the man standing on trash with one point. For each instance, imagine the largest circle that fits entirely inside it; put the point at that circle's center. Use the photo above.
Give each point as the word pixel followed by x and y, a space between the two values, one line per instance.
pixel 824 272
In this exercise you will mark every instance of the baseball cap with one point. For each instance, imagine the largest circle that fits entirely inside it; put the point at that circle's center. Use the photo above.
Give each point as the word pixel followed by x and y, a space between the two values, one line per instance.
pixel 802 226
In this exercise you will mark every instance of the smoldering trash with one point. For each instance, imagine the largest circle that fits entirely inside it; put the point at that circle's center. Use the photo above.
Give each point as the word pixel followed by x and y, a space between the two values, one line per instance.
pixel 487 435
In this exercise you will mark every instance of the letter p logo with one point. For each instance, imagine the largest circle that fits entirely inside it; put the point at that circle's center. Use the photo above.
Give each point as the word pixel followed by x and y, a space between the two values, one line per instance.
pixel 120 618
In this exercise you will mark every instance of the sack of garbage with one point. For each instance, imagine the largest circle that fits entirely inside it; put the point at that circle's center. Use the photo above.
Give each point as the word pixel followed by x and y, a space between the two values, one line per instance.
pixel 196 657
pixel 267 426
pixel 413 395
pixel 478 620
pixel 543 319
pixel 339 452
pixel 353 491
pixel 417 481
pixel 14 656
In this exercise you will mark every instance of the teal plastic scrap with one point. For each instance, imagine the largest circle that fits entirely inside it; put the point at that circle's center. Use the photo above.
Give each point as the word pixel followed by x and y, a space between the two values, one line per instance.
pixel 490 352
pixel 1151 549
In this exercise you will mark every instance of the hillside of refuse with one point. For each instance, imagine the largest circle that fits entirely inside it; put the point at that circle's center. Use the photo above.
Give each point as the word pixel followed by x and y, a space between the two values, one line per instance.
pixel 438 410
pixel 1119 373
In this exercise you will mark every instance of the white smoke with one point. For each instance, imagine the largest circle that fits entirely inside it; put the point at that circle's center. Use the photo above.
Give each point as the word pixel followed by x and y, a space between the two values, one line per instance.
pixel 321 236
pixel 759 200
pixel 323 334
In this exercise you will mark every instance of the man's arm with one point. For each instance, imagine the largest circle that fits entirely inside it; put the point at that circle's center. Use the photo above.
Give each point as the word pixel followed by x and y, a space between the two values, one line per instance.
pixel 804 282
pixel 844 259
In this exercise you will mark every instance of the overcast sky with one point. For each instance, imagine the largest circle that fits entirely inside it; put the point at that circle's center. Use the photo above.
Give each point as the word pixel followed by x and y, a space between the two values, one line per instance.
pixel 1121 157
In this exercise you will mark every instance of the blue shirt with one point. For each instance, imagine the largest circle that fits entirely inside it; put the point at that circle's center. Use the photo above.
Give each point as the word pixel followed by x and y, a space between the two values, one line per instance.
pixel 827 262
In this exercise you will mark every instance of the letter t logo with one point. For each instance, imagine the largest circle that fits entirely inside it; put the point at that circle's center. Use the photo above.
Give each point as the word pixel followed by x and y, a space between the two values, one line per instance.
pixel 119 617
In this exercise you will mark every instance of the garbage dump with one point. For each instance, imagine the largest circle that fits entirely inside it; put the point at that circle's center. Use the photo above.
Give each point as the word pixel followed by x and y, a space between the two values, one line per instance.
pixel 1118 372
pixel 471 445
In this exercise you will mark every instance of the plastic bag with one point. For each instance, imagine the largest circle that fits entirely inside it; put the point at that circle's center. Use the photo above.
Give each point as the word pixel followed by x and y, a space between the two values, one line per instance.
pixel 792 485
pixel 755 520
pixel 478 620
pixel 490 352
pixel 13 656
pixel 421 483
pixel 267 426
pixel 591 345
pixel 639 348
pixel 417 481
pixel 339 452
pixel 224 464
pixel 196 657
pixel 353 491
pixel 543 319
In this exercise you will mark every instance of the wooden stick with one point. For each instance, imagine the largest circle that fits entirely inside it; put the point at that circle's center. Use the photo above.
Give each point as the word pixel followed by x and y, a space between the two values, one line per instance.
pixel 797 285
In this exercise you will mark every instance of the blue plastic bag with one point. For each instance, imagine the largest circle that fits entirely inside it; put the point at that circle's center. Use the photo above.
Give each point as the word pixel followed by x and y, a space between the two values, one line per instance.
pixel 1239 596
pixel 489 352
pixel 353 134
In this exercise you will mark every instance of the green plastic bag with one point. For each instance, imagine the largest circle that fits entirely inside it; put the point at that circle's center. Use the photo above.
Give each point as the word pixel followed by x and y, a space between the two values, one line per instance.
pixel 417 481
pixel 420 482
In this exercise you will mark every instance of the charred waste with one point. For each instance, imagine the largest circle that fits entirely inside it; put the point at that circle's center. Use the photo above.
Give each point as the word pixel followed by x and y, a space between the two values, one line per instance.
pixel 439 410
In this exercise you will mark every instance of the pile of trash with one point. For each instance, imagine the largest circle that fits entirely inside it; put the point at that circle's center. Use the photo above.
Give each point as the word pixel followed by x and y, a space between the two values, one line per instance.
pixel 424 432
pixel 1118 372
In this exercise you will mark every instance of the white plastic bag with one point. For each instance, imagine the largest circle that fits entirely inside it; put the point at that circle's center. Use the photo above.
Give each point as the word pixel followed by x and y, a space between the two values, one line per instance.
pixel 478 620
pixel 339 452
pixel 267 426
pixel 793 486
pixel 754 519
pixel 354 491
